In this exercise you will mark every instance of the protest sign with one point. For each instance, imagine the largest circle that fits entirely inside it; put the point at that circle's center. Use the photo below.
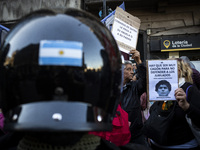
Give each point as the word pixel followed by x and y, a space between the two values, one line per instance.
pixel 108 20
pixel 162 79
pixel 125 30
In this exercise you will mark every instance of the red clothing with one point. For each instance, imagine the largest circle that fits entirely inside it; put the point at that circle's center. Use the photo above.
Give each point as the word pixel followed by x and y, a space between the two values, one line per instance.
pixel 1 121
pixel 120 135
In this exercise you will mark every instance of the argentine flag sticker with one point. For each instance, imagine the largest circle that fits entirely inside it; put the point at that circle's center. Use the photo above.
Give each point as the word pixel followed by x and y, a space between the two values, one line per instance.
pixel 62 53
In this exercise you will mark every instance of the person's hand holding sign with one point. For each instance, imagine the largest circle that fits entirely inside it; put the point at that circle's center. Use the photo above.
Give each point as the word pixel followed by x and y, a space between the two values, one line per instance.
pixel 181 98
pixel 136 56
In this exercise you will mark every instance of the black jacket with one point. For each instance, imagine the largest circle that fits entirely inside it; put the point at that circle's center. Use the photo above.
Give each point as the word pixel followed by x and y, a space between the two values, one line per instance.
pixel 180 131
pixel 130 100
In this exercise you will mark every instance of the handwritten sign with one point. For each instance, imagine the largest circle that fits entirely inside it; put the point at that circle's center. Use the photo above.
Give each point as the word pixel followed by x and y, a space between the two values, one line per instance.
pixel 125 30
pixel 162 79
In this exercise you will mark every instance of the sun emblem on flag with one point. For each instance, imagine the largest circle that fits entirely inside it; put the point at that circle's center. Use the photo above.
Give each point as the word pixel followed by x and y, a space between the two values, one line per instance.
pixel 61 52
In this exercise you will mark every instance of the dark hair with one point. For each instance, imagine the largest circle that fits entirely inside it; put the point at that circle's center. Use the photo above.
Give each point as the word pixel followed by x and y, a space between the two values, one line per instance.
pixel 165 82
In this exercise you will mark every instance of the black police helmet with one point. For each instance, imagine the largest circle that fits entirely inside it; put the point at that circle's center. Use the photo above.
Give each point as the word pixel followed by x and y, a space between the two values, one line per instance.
pixel 59 72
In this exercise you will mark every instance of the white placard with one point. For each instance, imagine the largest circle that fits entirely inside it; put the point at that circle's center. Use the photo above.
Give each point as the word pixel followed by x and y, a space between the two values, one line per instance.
pixel 162 79
pixel 125 33
pixel 125 30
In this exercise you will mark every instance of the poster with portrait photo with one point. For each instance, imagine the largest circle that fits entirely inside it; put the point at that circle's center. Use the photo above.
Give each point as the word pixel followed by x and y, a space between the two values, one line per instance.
pixel 162 79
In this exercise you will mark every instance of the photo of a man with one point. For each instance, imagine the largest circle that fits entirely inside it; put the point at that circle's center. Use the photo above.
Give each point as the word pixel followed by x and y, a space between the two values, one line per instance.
pixel 162 79
pixel 163 88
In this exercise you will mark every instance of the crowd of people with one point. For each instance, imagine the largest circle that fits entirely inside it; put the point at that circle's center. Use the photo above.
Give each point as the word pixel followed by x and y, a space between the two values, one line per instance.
pixel 51 98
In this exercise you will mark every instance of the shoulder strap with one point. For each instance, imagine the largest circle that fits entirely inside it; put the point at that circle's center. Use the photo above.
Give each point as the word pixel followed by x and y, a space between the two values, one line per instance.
pixel 187 91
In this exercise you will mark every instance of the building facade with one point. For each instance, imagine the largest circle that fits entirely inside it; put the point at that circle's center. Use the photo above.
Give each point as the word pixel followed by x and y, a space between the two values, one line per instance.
pixel 169 28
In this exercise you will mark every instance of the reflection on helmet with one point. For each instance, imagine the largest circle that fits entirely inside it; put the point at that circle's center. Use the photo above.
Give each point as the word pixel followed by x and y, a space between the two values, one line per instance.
pixel 59 72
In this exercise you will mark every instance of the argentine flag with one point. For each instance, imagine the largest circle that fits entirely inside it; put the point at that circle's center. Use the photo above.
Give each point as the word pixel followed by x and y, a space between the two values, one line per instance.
pixel 60 53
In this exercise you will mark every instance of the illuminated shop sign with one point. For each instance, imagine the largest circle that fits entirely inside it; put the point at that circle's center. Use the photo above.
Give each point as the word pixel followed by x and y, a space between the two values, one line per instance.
pixel 180 44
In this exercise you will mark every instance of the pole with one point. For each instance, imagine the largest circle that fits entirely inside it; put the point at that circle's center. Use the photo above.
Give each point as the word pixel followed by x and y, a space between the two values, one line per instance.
pixel 104 8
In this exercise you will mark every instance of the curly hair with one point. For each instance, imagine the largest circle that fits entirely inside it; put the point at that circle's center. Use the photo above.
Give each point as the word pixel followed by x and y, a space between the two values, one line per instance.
pixel 185 70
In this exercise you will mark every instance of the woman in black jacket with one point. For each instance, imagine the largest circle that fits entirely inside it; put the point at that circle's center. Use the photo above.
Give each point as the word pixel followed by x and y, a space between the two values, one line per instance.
pixel 180 135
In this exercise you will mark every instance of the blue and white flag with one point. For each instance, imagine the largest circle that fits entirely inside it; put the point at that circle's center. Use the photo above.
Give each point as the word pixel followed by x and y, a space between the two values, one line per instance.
pixel 111 15
pixel 61 53
pixel 3 32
